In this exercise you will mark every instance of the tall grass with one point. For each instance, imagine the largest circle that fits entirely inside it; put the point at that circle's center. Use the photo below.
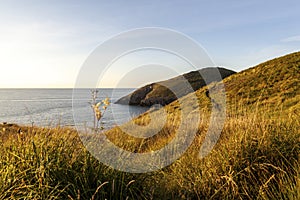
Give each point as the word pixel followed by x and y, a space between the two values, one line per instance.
pixel 53 164
pixel 257 157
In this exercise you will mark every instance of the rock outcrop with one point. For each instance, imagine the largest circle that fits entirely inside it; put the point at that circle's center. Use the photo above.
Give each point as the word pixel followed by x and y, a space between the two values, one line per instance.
pixel 165 92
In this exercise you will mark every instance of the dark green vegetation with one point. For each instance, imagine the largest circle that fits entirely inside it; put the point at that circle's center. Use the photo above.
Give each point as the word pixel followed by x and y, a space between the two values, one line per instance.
pixel 161 92
pixel 256 157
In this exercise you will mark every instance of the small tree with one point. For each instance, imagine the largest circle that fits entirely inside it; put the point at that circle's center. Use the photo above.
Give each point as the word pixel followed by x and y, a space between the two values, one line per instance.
pixel 98 108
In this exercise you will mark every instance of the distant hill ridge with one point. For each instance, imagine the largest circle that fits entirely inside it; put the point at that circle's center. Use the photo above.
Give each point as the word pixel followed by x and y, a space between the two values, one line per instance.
pixel 160 92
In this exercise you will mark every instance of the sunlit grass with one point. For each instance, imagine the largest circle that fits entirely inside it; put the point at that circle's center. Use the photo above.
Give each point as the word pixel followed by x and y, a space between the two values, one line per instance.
pixel 257 157
pixel 52 163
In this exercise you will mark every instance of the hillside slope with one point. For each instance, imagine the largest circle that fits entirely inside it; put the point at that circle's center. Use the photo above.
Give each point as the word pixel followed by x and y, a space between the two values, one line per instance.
pixel 275 84
pixel 160 93
pixel 271 88
pixel 257 154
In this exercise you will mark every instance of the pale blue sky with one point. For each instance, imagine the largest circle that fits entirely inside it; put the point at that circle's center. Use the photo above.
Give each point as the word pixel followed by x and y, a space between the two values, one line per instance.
pixel 44 43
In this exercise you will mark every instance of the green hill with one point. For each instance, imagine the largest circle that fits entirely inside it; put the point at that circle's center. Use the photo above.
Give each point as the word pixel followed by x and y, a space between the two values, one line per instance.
pixel 274 85
pixel 161 92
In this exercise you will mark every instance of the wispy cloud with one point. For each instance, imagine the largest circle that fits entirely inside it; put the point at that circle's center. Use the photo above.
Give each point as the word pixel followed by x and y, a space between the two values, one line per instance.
pixel 292 39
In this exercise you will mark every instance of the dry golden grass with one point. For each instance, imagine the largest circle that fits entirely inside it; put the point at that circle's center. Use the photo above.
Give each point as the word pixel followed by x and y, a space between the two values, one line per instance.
pixel 257 157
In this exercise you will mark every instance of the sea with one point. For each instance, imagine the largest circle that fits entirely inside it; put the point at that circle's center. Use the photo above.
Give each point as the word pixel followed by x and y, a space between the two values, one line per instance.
pixel 63 107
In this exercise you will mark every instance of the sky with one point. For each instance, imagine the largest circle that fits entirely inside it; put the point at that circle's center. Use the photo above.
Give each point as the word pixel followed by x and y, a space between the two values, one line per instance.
pixel 43 44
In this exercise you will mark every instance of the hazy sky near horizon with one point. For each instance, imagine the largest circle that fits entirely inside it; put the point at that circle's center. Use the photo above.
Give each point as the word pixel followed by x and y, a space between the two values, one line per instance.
pixel 45 43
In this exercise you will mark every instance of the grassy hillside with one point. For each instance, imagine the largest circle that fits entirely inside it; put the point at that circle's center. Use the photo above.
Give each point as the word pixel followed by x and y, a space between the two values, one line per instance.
pixel 259 144
pixel 256 157
pixel 161 92
pixel 271 88
pixel 274 83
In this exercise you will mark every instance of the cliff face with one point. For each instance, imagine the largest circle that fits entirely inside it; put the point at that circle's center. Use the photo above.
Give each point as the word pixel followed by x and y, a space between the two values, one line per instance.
pixel 163 92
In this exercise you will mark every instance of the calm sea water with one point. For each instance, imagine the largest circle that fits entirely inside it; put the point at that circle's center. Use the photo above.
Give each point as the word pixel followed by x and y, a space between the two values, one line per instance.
pixel 50 107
